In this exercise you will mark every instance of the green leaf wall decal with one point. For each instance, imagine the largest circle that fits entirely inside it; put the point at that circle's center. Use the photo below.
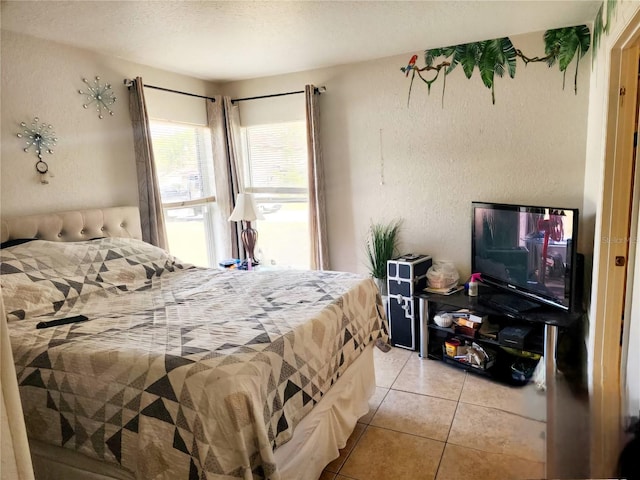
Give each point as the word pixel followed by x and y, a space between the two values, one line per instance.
pixel 497 56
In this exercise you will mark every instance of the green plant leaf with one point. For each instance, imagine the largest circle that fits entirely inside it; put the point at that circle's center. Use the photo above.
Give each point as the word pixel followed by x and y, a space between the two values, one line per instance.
pixel 382 245
pixel 611 6
pixel 598 29
pixel 433 53
pixel 552 42
pixel 584 38
pixel 601 27
pixel 497 57
pixel 458 53
pixel 561 44
pixel 568 48
pixel 552 39
pixel 509 55
pixel 488 62
pixel 471 53
pixel 487 77
pixel 430 55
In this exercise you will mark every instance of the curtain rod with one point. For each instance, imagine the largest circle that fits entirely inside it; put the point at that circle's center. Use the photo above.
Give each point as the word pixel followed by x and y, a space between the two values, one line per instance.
pixel 128 83
pixel 322 89
pixel 315 90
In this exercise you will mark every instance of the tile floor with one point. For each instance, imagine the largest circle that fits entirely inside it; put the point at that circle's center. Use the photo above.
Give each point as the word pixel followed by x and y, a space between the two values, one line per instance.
pixel 428 420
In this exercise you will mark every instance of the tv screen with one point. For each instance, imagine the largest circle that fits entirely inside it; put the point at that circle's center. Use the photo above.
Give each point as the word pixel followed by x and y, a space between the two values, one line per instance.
pixel 527 250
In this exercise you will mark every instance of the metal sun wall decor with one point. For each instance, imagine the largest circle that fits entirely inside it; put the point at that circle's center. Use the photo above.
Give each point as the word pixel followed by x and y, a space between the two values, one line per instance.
pixel 42 138
pixel 101 95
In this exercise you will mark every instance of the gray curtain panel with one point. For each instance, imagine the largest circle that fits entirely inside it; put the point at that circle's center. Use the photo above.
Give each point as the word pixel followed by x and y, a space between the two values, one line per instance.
pixel 151 213
pixel 15 457
pixel 317 215
pixel 222 119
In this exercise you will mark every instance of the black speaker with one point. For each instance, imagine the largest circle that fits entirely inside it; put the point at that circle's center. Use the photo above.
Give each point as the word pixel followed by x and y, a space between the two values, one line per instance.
pixel 577 286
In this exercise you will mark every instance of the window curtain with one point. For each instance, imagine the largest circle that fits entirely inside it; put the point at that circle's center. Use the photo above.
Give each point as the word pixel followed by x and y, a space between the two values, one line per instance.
pixel 151 213
pixel 317 215
pixel 223 120
pixel 16 459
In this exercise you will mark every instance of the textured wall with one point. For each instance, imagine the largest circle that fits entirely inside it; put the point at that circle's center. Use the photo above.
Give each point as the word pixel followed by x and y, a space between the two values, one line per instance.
pixel 529 147
pixel 93 163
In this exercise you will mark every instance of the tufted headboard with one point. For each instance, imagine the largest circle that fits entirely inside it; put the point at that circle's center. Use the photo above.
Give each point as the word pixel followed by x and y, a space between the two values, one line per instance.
pixel 75 225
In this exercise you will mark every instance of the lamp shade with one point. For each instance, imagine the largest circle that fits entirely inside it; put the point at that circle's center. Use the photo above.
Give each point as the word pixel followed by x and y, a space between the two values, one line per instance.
pixel 245 209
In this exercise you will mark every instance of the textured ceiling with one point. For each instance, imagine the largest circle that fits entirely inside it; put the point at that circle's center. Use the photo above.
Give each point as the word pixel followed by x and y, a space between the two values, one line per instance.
pixel 233 40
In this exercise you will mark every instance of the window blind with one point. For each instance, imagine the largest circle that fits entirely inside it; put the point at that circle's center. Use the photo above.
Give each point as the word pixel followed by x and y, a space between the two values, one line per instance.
pixel 277 156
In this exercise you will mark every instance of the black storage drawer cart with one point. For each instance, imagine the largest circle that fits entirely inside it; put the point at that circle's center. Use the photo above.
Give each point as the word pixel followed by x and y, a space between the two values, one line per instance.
pixel 406 277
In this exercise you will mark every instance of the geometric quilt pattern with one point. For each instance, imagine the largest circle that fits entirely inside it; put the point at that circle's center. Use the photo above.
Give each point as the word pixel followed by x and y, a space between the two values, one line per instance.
pixel 48 278
pixel 193 373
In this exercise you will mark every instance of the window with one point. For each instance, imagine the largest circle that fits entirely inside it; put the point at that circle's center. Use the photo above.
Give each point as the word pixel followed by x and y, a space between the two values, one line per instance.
pixel 276 173
pixel 184 163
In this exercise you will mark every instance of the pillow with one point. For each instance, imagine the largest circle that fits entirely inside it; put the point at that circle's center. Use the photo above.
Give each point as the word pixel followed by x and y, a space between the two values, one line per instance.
pixel 44 278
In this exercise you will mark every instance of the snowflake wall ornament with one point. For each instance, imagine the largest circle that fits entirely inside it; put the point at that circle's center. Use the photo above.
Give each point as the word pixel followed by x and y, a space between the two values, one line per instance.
pixel 42 138
pixel 100 95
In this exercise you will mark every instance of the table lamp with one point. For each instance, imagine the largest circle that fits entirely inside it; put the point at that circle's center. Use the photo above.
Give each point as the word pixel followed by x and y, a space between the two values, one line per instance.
pixel 247 210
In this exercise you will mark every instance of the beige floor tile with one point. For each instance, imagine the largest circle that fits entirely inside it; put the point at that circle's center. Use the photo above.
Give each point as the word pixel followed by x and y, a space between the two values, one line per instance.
pixel 327 475
pixel 342 477
pixel 430 377
pixel 374 403
pixel 527 401
pixel 388 364
pixel 497 431
pixel 335 465
pixel 459 463
pixel 382 454
pixel 416 414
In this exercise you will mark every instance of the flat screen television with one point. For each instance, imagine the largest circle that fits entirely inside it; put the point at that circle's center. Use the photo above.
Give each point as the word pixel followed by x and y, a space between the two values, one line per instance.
pixel 527 250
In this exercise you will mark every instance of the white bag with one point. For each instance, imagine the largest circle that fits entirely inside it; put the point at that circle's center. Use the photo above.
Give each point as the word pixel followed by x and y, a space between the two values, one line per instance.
pixel 442 275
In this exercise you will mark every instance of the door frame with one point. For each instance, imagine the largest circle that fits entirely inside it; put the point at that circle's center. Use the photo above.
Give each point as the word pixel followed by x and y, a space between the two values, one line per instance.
pixel 611 280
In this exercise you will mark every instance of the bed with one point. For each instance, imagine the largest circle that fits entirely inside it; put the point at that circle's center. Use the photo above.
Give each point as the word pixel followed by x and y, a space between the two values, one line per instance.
pixel 179 372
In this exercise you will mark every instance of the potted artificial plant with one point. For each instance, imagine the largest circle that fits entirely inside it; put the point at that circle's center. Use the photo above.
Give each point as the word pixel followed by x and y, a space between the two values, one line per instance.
pixel 382 246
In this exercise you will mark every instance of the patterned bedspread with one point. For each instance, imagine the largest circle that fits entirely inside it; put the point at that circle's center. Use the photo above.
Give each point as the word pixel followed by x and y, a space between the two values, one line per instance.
pixel 179 372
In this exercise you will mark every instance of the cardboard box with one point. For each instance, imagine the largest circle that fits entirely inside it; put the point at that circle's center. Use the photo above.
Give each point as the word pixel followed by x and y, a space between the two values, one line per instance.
pixel 477 318
pixel 463 322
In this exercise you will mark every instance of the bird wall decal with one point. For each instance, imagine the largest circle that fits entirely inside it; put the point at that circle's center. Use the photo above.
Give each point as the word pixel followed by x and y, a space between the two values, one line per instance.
pixel 411 64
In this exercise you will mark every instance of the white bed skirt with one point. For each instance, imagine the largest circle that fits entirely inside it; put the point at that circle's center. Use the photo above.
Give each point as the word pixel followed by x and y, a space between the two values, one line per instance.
pixel 320 435
pixel 316 440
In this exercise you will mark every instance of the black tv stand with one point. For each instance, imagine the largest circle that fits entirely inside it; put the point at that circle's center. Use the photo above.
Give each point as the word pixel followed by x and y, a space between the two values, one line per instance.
pixel 543 322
